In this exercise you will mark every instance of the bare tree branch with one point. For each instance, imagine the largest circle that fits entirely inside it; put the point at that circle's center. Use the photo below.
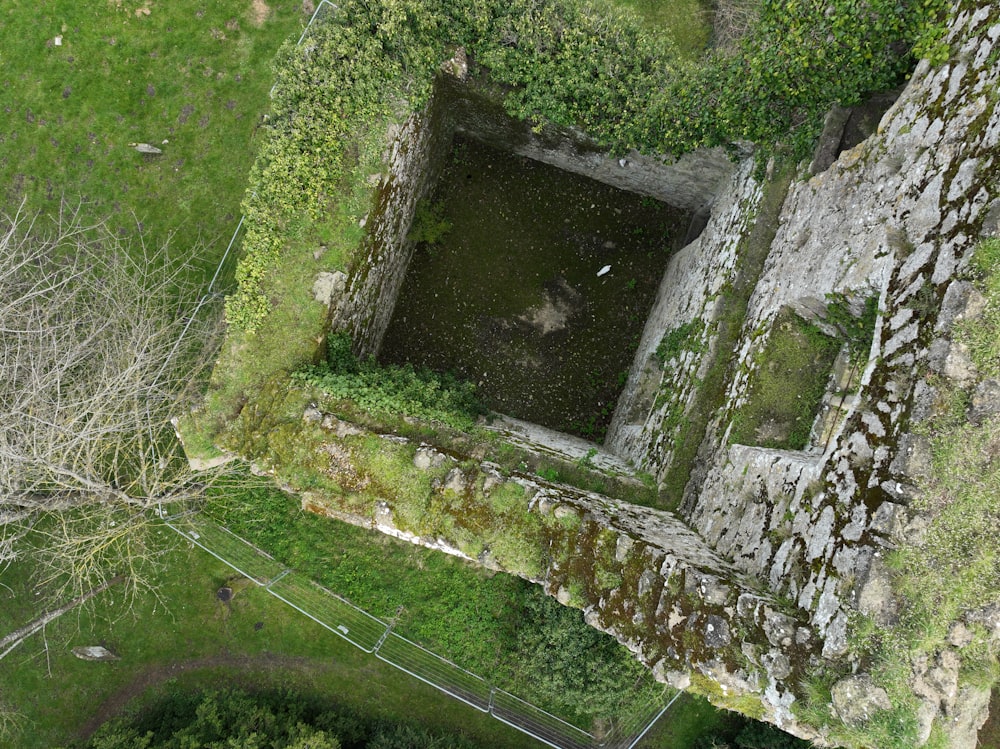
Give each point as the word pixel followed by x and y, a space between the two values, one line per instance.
pixel 100 345
pixel 15 638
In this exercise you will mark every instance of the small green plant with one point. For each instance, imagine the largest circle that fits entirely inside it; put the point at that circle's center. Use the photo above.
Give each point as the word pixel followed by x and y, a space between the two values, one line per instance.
pixel 549 474
pixel 429 224
pixel 858 330
pixel 685 337
pixel 925 301
pixel 587 461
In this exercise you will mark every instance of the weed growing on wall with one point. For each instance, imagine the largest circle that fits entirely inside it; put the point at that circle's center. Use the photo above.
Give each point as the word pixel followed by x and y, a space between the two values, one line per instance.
pixel 393 390
pixel 857 329
pixel 676 341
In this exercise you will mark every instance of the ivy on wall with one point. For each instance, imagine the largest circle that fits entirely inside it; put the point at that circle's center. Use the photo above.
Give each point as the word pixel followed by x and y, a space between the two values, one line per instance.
pixel 566 62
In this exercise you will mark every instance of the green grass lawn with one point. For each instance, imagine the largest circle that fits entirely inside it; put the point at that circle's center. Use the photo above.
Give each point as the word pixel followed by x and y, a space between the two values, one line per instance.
pixel 186 638
pixel 195 75
pixel 690 718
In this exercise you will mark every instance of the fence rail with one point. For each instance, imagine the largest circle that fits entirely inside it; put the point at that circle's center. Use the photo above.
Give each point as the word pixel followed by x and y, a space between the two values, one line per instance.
pixel 372 635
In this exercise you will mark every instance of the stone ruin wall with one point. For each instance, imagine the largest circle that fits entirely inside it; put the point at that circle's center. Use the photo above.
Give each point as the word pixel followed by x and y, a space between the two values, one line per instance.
pixel 684 610
pixel 414 154
pixel 689 291
pixel 894 215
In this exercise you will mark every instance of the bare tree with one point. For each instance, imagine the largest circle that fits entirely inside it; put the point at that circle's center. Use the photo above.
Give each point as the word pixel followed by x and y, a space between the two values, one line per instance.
pixel 100 345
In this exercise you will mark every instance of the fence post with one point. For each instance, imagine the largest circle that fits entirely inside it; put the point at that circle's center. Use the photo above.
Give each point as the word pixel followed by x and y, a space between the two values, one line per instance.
pixel 388 630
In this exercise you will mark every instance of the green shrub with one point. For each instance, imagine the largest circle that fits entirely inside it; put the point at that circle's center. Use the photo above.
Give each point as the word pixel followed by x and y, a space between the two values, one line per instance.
pixel 277 720
pixel 393 390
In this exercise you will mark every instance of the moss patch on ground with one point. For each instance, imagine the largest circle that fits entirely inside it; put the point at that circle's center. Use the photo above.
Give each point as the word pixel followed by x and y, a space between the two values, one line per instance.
pixel 787 386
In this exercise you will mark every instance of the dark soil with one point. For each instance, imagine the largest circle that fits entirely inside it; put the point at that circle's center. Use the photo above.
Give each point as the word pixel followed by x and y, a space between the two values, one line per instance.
pixel 510 298
pixel 989 734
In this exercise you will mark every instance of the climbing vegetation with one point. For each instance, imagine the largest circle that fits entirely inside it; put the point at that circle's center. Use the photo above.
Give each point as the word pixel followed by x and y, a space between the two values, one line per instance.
pixel 562 63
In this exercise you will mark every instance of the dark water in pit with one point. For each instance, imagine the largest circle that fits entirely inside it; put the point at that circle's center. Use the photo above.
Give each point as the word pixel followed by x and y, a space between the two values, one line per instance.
pixel 510 298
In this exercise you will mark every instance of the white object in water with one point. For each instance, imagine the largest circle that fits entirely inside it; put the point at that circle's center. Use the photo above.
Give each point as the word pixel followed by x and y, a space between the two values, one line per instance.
pixel 603 270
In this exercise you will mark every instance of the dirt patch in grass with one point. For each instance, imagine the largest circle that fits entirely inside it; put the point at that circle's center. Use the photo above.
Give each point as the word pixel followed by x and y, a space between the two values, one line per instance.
pixel 259 12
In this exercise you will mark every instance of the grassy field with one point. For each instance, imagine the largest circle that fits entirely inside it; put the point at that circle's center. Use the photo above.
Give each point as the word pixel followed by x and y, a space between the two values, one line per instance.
pixel 187 638
pixel 81 82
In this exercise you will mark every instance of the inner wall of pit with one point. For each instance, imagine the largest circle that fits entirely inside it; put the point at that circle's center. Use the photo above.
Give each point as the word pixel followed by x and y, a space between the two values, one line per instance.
pixel 415 156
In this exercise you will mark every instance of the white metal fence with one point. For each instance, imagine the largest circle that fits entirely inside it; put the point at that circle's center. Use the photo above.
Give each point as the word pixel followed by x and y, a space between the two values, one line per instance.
pixel 372 635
